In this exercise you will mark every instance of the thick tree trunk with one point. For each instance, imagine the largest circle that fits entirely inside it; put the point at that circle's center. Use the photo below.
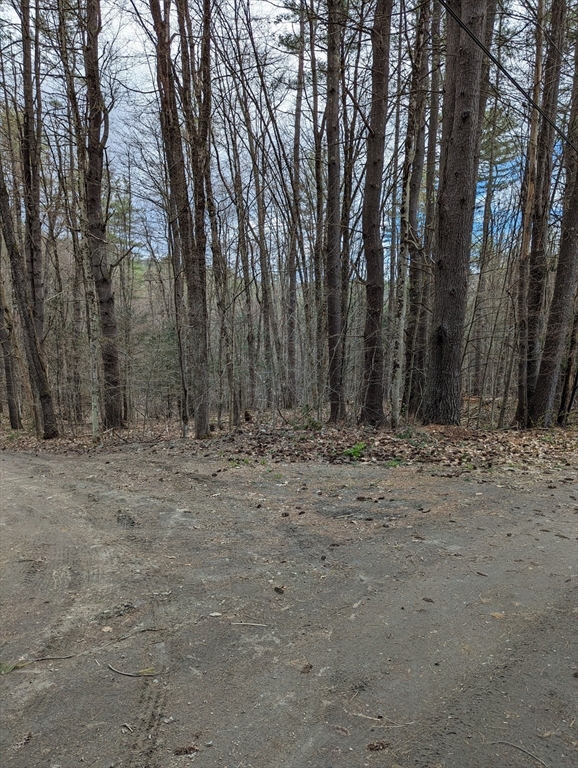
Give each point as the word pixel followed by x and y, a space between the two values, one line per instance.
pixel 373 373
pixel 456 200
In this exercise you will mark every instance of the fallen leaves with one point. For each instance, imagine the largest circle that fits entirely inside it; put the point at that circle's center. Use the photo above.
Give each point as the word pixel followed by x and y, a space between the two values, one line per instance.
pixel 458 448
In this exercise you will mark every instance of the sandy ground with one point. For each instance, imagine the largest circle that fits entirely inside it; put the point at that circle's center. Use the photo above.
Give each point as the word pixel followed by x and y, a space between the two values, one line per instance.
pixel 161 610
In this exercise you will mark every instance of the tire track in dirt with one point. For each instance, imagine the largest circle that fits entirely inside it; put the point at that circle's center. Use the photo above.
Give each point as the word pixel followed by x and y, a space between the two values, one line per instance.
pixel 148 717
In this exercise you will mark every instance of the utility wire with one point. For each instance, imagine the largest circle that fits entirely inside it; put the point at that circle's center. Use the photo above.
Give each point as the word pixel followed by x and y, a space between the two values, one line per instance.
pixel 504 71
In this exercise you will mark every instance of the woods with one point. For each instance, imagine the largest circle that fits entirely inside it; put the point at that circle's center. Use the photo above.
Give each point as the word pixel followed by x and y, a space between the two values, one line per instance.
pixel 341 210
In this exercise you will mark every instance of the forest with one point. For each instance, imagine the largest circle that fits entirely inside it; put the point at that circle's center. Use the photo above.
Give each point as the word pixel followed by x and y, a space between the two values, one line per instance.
pixel 343 211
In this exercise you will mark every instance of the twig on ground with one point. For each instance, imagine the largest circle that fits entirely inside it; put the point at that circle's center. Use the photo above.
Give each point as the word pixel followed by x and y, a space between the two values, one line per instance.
pixel 509 743
pixel 247 624
pixel 50 658
pixel 379 720
pixel 132 674
pixel 366 717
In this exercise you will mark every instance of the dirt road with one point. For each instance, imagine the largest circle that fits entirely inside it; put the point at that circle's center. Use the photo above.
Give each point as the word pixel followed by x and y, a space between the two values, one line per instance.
pixel 161 611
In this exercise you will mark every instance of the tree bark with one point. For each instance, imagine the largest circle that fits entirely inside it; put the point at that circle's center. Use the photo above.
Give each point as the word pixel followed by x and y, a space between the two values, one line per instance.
pixel 198 83
pixel 538 267
pixel 96 140
pixel 373 372
pixel 193 258
pixel 570 386
pixel 456 200
pixel 333 243
pixel 411 251
pixel 36 366
pixel 416 401
pixel 418 267
pixel 8 357
pixel 30 150
pixel 541 407
pixel 529 194
pixel 291 396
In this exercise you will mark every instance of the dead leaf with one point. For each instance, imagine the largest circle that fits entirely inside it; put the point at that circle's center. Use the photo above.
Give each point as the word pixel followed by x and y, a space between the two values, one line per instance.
pixel 9 666
pixel 190 750
pixel 378 746
pixel 23 741
pixel 498 615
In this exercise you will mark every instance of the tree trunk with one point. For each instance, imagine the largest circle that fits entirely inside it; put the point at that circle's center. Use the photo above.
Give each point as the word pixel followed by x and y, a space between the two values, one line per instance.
pixel 36 366
pixel 193 258
pixel 30 149
pixel 456 200
pixel 418 272
pixel 291 396
pixel 243 250
pixel 529 194
pixel 541 407
pixel 538 268
pixel 222 294
pixel 411 252
pixel 373 372
pixel 570 385
pixel 96 139
pixel 333 249
pixel 8 356
pixel 416 397
pixel 196 266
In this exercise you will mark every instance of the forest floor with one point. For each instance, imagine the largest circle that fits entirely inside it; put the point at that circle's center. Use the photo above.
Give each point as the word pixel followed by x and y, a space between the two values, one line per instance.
pixel 282 599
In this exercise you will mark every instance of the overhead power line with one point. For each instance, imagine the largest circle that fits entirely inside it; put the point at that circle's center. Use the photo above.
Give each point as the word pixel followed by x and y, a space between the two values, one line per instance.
pixel 505 72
